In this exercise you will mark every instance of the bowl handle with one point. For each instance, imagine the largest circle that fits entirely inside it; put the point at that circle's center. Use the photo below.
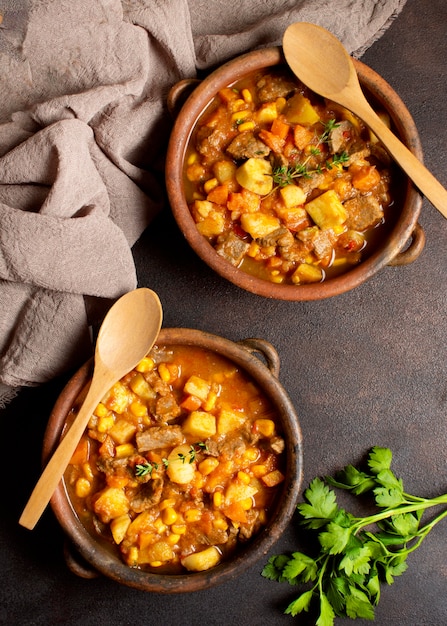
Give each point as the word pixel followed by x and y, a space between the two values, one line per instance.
pixel 266 349
pixel 76 564
pixel 413 250
pixel 179 93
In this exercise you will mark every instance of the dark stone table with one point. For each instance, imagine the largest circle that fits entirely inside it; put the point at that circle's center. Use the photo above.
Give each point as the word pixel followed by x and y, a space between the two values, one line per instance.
pixel 365 368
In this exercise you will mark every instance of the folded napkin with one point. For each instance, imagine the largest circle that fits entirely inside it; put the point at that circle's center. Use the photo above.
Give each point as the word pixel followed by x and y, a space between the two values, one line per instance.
pixel 83 129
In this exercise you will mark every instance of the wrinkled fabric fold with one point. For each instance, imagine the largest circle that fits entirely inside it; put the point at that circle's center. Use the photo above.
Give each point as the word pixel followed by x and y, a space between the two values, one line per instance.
pixel 83 130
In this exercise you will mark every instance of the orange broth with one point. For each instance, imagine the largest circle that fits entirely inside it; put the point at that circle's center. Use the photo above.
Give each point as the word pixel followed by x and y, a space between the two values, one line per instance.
pixel 284 184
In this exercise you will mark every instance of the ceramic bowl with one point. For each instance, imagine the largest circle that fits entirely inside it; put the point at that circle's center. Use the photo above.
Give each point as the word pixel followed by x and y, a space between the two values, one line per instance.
pixel 88 557
pixel 401 245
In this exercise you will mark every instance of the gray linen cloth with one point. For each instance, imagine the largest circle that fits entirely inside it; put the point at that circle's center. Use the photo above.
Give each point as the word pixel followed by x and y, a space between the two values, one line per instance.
pixel 83 126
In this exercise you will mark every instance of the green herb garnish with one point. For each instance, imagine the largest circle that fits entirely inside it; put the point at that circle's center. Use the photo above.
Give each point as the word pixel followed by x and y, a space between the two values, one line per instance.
pixel 143 469
pixel 356 554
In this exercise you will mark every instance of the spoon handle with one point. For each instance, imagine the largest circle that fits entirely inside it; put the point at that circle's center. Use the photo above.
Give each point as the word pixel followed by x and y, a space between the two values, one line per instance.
pixel 416 171
pixel 53 472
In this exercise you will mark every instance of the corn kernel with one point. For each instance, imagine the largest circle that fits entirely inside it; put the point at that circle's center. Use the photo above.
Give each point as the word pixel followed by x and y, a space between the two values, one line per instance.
pixel 277 278
pixel 246 126
pixel 164 372
pixel 101 410
pixel 259 470
pixel 169 516
pixel 251 454
pixel 210 184
pixel 220 523
pixel 246 94
pixel 192 158
pixel 253 250
pixel 156 563
pixel 262 518
pixel 82 487
pixel 145 365
pixel 105 423
pixel 178 529
pixel 124 450
pixel 244 477
pixel 138 409
pixel 237 105
pixel 172 539
pixel 159 526
pixel 132 557
pixel 265 427
pixel 280 104
pixel 88 472
pixel 246 503
pixel 167 502
pixel 240 115
pixel 193 515
pixel 217 499
pixel 211 400
pixel 208 465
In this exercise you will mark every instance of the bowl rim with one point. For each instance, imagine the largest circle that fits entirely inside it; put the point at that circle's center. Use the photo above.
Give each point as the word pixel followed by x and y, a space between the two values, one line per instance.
pixel 101 559
pixel 183 126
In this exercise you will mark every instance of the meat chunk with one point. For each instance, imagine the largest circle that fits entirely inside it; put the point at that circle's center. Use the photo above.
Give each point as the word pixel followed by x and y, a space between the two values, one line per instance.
pixel 363 212
pixel 232 248
pixel 273 86
pixel 340 136
pixel 159 437
pixel 247 146
pixel 166 408
pixel 147 495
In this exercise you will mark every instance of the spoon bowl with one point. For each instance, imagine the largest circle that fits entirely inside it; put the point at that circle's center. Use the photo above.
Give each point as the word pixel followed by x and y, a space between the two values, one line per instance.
pixel 127 334
pixel 322 63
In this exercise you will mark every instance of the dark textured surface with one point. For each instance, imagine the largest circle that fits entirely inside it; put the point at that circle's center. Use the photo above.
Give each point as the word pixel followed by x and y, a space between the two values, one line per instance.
pixel 366 368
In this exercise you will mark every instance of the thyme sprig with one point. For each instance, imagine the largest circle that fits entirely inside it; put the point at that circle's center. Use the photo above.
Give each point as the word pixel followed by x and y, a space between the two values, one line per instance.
pixel 283 175
pixel 143 469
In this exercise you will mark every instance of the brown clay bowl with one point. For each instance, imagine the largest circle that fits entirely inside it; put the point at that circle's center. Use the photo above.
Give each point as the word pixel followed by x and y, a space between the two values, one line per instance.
pixel 401 245
pixel 89 558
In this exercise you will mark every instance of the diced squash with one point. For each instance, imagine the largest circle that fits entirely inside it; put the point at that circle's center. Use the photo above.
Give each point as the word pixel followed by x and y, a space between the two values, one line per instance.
pixel 259 224
pixel 119 527
pixel 200 424
pixel 280 128
pixel 82 452
pixel 292 195
pixel 274 142
pixel 366 178
pixel 197 386
pixel 191 403
pixel 328 212
pixel 255 175
pixel 294 218
pixel 201 561
pixel 236 512
pixel 180 469
pixel 218 195
pixel 229 420
pixel 122 431
pixel 111 503
pixel 300 111
pixel 244 202
pixel 307 273
pixel 141 387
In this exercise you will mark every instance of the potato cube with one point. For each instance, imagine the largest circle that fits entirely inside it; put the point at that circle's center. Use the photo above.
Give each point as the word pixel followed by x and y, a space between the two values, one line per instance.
pixel 111 504
pixel 122 431
pixel 119 527
pixel 292 195
pixel 267 113
pixel 229 420
pixel 201 561
pixel 118 399
pixel 259 224
pixel 328 212
pixel 141 387
pixel 212 226
pixel 256 176
pixel 307 273
pixel 273 478
pixel 237 491
pixel 197 386
pixel 224 171
pixel 180 468
pixel 200 424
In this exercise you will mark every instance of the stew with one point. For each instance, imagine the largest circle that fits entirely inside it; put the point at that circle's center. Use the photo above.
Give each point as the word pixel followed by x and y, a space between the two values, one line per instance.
pixel 284 184
pixel 180 463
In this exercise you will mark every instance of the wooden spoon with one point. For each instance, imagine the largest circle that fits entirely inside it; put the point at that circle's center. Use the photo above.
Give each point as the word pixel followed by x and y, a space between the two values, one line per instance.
pixel 321 62
pixel 127 333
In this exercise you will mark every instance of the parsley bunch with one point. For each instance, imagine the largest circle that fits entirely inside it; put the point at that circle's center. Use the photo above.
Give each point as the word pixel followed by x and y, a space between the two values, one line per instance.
pixel 355 553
